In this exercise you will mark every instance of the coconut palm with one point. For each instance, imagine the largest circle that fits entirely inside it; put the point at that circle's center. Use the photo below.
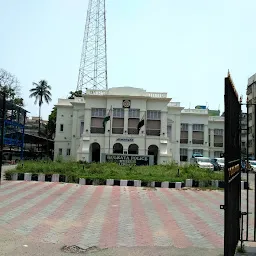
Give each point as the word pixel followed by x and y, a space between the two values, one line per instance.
pixel 41 92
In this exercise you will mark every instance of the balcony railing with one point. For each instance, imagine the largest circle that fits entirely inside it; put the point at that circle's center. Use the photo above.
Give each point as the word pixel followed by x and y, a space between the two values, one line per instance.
pixel 117 130
pixel 132 130
pixel 153 132
pixel 184 140
pixel 98 130
pixel 198 142
pixel 218 145
pixel 195 111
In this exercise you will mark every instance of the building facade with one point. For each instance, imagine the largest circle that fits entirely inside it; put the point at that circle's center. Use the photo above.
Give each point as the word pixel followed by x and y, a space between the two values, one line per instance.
pixel 170 132
pixel 251 96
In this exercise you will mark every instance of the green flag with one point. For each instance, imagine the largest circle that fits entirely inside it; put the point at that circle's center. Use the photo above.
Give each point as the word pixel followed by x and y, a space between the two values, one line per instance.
pixel 106 119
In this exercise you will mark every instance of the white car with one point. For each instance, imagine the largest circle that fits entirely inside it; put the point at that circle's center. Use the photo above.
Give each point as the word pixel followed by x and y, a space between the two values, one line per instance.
pixel 220 162
pixel 253 164
pixel 203 162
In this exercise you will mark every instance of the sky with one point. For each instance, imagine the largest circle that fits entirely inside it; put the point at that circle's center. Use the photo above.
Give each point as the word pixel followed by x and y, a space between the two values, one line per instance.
pixel 184 47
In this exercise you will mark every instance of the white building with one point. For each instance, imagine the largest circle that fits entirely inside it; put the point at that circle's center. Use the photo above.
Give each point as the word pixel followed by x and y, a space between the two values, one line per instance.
pixel 171 133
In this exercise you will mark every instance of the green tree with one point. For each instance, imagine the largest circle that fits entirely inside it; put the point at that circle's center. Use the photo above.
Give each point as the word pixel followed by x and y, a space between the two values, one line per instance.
pixel 41 92
pixel 9 84
pixel 51 125
pixel 75 94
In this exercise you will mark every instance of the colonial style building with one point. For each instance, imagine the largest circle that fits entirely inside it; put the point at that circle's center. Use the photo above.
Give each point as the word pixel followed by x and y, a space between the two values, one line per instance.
pixel 168 131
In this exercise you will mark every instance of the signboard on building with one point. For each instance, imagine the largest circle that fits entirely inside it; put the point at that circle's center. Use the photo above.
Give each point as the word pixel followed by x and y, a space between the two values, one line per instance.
pixel 128 159
pixel 125 139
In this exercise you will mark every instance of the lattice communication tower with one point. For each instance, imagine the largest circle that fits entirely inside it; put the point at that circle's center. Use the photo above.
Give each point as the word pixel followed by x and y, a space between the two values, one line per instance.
pixel 93 64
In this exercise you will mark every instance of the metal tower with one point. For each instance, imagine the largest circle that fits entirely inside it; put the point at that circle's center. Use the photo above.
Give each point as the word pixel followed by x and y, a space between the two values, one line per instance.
pixel 93 64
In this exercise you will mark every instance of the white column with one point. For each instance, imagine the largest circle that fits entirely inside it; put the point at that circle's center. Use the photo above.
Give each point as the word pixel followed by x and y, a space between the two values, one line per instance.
pixel 212 138
pixel 87 121
pixel 190 131
pixel 206 135
pixel 163 123
pixel 126 116
pixel 74 134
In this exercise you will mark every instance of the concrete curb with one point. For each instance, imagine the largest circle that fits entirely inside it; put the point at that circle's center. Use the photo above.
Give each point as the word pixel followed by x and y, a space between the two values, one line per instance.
pixel 130 183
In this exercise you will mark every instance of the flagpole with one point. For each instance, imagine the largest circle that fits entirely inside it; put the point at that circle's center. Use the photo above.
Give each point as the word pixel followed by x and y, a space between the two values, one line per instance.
pixel 110 123
pixel 145 123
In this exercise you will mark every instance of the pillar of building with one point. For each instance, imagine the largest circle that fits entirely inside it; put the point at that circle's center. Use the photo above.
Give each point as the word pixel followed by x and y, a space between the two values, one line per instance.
pixel 190 132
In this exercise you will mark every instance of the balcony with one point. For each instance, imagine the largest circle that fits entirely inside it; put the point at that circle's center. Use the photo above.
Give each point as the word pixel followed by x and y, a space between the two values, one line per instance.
pixel 117 130
pixel 184 140
pixel 197 141
pixel 218 145
pixel 153 132
pixel 132 130
pixel 98 130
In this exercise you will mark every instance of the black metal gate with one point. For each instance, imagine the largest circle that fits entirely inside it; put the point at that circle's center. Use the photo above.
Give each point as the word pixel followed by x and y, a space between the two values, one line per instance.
pixel 232 200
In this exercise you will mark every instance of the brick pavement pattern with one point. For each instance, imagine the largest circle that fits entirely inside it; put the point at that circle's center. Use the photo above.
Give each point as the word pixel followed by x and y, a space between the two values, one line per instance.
pixel 113 216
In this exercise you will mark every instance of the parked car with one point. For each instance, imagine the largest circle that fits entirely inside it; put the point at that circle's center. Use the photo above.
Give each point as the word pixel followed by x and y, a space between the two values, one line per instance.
pixel 252 165
pixel 220 162
pixel 202 162
pixel 215 165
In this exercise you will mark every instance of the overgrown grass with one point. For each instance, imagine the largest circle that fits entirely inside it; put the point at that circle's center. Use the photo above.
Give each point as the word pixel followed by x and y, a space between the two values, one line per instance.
pixel 113 171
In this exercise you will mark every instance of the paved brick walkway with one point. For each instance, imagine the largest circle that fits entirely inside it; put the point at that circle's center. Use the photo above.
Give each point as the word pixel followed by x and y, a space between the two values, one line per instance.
pixel 112 216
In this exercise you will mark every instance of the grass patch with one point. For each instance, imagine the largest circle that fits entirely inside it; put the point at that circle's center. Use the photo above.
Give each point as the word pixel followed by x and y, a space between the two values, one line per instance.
pixel 103 171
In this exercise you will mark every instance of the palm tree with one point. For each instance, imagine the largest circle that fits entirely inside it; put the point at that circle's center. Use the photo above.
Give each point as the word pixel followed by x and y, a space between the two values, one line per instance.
pixel 41 92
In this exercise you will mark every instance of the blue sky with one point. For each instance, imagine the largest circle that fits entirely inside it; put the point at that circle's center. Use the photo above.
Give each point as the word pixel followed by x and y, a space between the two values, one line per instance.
pixel 181 47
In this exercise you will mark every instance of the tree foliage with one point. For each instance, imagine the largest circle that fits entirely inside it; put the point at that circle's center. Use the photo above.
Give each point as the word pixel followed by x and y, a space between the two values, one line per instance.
pixel 41 92
pixel 51 126
pixel 75 94
pixel 9 84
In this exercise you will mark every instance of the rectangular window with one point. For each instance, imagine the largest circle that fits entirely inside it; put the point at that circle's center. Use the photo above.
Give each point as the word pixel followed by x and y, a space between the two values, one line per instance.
pixel 134 113
pixel 68 151
pixel 81 128
pixel 198 151
pixel 118 113
pixel 219 132
pixel 60 151
pixel 154 115
pixel 183 154
pixel 184 127
pixel 98 112
pixel 61 128
pixel 198 127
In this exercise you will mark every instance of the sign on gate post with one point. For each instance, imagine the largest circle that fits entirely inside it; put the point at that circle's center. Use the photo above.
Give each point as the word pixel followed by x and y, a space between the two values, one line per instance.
pixel 232 198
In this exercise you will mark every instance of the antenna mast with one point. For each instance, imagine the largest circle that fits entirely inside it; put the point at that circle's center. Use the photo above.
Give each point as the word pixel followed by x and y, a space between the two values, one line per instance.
pixel 93 64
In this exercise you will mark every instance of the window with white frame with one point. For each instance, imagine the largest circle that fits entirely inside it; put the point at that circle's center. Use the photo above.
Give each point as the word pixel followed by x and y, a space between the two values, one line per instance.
pixel 154 115
pixel 60 151
pixel 184 127
pixel 198 151
pixel 218 138
pixel 118 113
pixel 134 113
pixel 198 127
pixel 97 117
pixel 81 128
pixel 218 132
pixel 198 134
pixel 153 123
pixel 183 154
pixel 98 112
pixel 184 133
pixel 61 127
pixel 118 121
pixel 133 121
pixel 68 151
